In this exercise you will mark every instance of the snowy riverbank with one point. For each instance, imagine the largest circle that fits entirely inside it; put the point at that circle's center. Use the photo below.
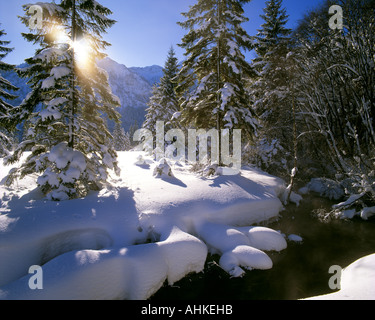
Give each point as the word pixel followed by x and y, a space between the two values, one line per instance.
pixel 356 281
pixel 126 241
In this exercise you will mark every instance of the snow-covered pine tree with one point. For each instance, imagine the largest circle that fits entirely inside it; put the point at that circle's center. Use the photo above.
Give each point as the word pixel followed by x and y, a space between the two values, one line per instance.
pixel 168 86
pixel 128 142
pixel 271 90
pixel 163 103
pixel 121 140
pixel 273 30
pixel 7 124
pixel 70 95
pixel 213 76
pixel 154 111
pixel 271 46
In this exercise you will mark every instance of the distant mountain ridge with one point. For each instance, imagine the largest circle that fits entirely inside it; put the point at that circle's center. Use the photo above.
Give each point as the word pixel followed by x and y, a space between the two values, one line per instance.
pixel 151 74
pixel 133 86
pixel 132 89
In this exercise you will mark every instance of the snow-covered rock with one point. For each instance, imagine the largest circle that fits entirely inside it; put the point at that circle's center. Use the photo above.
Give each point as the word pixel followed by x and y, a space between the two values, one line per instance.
pixel 367 212
pixel 241 246
pixel 295 238
pixel 325 188
pixel 245 256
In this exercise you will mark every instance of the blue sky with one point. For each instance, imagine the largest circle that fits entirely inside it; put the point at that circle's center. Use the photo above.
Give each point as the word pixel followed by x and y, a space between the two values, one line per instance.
pixel 145 29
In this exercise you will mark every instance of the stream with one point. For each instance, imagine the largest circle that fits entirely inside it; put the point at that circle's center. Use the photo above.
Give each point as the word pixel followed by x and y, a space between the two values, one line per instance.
pixel 299 271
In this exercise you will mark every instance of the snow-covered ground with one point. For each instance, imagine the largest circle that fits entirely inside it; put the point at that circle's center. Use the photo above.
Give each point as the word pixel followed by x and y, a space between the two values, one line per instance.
pixel 126 241
pixel 357 282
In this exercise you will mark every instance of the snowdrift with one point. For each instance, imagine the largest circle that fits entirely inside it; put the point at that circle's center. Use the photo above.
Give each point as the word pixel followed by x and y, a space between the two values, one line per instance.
pixel 126 241
pixel 357 282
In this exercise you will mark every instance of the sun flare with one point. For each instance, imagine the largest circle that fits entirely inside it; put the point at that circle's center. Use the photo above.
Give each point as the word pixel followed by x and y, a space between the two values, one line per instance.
pixel 59 35
pixel 82 52
pixel 82 48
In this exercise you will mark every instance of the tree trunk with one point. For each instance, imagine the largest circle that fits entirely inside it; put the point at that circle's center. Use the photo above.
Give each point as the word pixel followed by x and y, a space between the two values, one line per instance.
pixel 72 107
pixel 218 115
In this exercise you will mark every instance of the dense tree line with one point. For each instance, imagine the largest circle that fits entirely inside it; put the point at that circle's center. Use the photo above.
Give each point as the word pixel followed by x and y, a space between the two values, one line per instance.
pixel 336 91
pixel 306 101
pixel 307 98
pixel 6 95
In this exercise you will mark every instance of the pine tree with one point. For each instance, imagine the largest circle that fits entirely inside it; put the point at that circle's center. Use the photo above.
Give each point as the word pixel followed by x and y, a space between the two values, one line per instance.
pixel 69 98
pixel 271 46
pixel 271 90
pixel 168 84
pixel 212 79
pixel 6 123
pixel 273 30
pixel 121 140
pixel 163 103
pixel 133 128
pixel 154 111
pixel 128 142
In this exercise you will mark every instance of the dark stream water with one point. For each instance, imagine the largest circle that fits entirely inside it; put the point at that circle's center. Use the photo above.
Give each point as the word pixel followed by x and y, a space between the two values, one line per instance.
pixel 299 271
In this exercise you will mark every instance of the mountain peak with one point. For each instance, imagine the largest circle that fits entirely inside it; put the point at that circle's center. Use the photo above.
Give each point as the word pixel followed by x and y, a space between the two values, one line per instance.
pixel 113 67
pixel 151 74
pixel 132 89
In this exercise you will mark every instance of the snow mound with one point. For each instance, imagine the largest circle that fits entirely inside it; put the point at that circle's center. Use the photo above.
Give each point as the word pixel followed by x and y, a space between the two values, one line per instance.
pixel 265 238
pixel 134 272
pixel 357 282
pixel 244 256
pixel 183 253
pixel 241 246
pixel 295 238
pixel 215 169
pixel 143 162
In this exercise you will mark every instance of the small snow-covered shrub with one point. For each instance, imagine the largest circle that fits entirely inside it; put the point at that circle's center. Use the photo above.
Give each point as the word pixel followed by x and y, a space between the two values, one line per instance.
pixel 140 161
pixel 359 195
pixel 64 173
pixel 265 154
pixel 163 169
pixel 197 167
pixel 68 173
pixel 326 188
pixel 211 170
